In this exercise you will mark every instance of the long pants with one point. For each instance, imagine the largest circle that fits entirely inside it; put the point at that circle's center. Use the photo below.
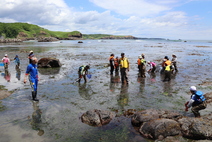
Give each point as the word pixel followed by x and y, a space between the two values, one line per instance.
pixel 167 75
pixel 34 84
pixel 143 70
pixel 175 66
pixel 124 75
pixel 80 75
pixel 111 69
pixel 197 108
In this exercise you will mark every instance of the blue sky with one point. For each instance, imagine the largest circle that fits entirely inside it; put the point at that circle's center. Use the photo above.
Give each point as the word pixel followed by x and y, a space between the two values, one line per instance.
pixel 171 19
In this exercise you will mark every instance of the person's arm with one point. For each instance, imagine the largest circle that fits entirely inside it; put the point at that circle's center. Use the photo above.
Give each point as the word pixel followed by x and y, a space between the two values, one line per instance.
pixel 25 77
pixel 128 65
pixel 26 74
pixel 190 102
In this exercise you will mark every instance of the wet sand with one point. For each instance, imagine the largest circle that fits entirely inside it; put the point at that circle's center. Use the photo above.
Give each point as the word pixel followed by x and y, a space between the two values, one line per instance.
pixel 62 100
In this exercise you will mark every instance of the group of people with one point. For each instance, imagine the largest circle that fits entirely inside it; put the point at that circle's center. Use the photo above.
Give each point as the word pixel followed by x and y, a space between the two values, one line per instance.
pixel 121 63
pixel 197 100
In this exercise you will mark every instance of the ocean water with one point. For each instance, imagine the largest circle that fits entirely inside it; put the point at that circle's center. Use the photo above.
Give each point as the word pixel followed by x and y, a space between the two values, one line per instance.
pixel 62 101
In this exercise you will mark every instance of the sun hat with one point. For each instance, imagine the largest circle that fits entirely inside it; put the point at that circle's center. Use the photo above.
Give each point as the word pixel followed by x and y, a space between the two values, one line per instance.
pixel 193 88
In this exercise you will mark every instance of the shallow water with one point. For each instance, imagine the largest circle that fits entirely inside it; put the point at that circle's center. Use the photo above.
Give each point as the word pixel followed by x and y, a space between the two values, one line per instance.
pixel 62 101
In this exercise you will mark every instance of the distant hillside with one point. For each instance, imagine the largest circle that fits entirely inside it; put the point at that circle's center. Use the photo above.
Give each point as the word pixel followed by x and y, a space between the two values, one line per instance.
pixel 25 31
pixel 106 36
pixel 30 31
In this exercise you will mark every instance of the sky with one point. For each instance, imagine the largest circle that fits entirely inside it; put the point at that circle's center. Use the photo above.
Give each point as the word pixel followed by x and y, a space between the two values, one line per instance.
pixel 170 19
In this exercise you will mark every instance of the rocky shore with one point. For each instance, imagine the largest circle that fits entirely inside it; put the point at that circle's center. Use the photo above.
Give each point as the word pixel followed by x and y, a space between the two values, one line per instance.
pixel 158 124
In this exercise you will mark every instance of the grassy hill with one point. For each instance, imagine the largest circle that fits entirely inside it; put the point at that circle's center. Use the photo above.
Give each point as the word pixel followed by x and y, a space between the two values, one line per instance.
pixel 25 30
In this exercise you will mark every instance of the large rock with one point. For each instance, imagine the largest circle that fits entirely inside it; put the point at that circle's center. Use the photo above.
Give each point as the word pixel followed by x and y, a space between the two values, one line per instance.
pixel 196 128
pixel 97 117
pixel 150 114
pixel 160 128
pixel 49 63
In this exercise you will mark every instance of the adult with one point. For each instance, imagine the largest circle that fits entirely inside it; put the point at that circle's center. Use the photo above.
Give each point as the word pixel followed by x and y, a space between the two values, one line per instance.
pixel 143 66
pixel 17 61
pixel 6 61
pixel 174 62
pixel 32 74
pixel 197 101
pixel 124 68
pixel 111 61
pixel 152 66
pixel 82 72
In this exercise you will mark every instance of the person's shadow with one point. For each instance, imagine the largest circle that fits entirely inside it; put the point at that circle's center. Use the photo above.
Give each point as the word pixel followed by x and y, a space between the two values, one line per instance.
pixel 36 118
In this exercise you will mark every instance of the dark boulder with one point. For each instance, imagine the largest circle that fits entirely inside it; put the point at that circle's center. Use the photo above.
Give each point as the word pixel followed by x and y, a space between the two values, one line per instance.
pixel 196 128
pixel 49 63
pixel 97 117
pixel 160 128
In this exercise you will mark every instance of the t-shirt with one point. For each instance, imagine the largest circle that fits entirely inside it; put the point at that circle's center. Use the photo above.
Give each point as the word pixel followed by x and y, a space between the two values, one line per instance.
pixel 32 70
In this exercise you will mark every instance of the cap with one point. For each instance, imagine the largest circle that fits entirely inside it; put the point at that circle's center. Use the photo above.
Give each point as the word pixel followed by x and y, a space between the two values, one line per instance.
pixel 193 88
pixel 30 51
pixel 5 55
pixel 88 66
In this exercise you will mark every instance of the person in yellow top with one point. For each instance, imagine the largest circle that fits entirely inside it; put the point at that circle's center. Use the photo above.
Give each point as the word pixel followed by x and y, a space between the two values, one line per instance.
pixel 143 66
pixel 124 68
pixel 168 68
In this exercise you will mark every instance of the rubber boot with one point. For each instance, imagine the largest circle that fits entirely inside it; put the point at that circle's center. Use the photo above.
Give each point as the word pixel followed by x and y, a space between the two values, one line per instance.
pixel 33 95
pixel 36 96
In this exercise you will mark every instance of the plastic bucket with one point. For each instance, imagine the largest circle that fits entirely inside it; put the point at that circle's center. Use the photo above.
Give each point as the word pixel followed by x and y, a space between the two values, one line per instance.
pixel 89 76
pixel 1 64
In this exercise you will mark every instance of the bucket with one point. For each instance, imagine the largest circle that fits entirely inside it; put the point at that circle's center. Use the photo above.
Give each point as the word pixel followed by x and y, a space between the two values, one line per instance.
pixel 1 64
pixel 89 76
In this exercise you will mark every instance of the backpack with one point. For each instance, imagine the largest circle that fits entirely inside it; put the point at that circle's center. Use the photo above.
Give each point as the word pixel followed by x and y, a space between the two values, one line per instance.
pixel 199 94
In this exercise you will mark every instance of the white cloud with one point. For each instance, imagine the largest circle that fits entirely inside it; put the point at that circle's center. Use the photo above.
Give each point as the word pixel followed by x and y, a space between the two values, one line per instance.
pixel 131 7
pixel 143 18
pixel 35 11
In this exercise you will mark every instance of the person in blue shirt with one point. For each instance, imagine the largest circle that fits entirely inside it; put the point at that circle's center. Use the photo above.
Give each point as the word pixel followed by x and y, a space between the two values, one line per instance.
pixel 197 101
pixel 17 61
pixel 32 74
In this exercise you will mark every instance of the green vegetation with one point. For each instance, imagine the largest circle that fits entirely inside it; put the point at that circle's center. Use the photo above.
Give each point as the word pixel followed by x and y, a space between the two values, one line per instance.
pixel 95 36
pixel 25 30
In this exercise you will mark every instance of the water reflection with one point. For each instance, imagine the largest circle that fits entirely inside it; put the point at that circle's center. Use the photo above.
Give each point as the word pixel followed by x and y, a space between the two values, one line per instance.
pixel 123 96
pixel 18 73
pixel 49 71
pixel 7 75
pixel 114 81
pixel 36 118
pixel 141 80
pixel 85 91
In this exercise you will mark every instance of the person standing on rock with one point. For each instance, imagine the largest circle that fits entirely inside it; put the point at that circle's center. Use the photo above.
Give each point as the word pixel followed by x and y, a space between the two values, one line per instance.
pixel 32 74
pixel 197 101
pixel 124 68
pixel 6 61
